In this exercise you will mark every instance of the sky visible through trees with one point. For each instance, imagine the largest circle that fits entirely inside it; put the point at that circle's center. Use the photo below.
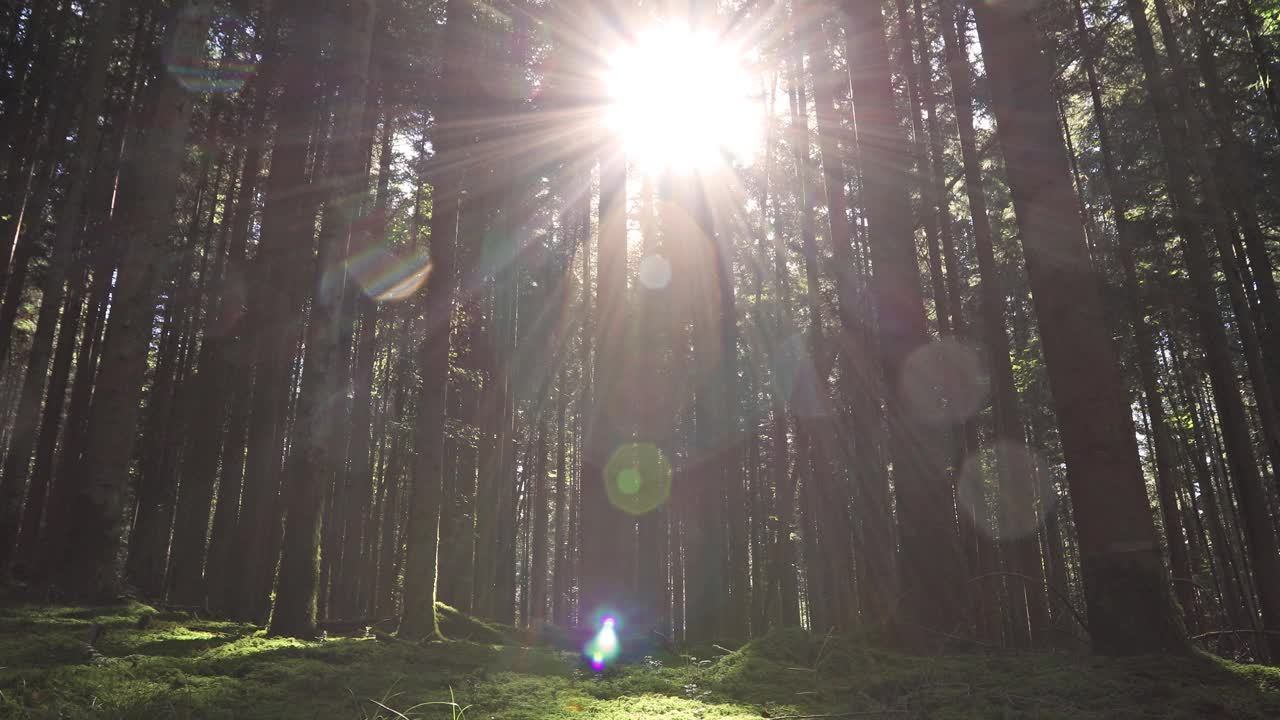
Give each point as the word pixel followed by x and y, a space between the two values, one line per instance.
pixel 935 320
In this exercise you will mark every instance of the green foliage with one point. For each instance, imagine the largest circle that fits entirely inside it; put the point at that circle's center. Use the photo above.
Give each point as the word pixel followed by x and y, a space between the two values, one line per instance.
pixel 177 666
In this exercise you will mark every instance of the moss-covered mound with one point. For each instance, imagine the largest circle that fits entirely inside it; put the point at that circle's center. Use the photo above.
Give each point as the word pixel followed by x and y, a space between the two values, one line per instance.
pixel 147 664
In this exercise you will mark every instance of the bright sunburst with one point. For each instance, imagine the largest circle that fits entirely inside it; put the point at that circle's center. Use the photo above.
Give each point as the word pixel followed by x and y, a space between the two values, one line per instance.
pixel 683 99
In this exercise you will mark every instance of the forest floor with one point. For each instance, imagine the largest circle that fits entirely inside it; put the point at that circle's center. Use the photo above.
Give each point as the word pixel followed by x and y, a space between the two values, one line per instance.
pixel 145 663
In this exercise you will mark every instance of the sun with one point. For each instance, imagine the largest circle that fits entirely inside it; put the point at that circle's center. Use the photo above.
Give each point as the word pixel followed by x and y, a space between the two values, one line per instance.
pixel 683 99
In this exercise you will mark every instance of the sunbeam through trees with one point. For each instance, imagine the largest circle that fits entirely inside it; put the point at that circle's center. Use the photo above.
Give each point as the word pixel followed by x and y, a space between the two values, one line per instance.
pixel 648 324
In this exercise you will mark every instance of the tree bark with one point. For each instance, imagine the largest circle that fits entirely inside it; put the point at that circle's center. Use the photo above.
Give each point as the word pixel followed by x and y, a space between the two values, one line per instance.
pixel 216 387
pixel 1126 588
pixel 91 545
pixel 58 273
pixel 314 459
pixel 1015 476
pixel 1262 544
pixel 929 556
pixel 274 306
pixel 450 140
pixel 1129 235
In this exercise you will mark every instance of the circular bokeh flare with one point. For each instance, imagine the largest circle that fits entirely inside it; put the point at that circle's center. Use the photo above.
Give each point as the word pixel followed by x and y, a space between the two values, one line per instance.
pixel 638 478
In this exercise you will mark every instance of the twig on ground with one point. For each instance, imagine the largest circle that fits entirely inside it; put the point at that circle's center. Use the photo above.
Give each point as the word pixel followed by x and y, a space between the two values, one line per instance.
pixel 958 638
pixel 817 660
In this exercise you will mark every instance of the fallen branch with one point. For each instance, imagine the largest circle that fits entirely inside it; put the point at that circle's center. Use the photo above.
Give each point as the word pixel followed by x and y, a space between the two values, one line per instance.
pixel 380 636
pixel 197 612
pixel 1217 633
pixel 1066 601
pixel 342 627
pixel 1190 582
pixel 860 714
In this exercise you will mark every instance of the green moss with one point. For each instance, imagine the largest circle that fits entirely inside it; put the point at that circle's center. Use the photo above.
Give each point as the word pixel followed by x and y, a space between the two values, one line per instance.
pixel 178 666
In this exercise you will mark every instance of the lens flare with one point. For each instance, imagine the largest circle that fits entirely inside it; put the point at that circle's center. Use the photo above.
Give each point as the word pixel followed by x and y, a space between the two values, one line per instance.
pixel 386 275
pixel 630 481
pixel 638 478
pixel 604 646
pixel 218 63
pixel 995 509
pixel 943 381
pixel 607 640
pixel 655 272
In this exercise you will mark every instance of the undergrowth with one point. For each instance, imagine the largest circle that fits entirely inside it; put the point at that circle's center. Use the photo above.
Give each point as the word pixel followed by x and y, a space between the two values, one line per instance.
pixel 173 665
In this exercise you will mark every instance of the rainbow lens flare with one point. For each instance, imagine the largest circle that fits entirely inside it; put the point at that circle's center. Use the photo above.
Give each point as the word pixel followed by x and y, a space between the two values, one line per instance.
pixel 604 646
pixel 216 62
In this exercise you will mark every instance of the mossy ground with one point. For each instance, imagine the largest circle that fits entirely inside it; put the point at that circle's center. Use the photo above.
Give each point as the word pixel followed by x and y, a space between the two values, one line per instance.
pixel 184 667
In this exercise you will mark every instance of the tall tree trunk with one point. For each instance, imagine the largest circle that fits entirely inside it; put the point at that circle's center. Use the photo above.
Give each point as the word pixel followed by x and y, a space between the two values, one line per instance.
pixel 559 588
pixel 1129 235
pixel 57 275
pixel 450 142
pixel 67 473
pixel 217 387
pixel 1262 545
pixel 1126 588
pixel 27 553
pixel 148 543
pixel 91 546
pixel 1221 540
pixel 538 566
pixel 1233 165
pixel 288 224
pixel 604 588
pixel 314 459
pixel 917 76
pixel 359 474
pixel 1015 474
pixel 826 455
pixel 384 600
pixel 1263 57
pixel 157 486
pixel 26 126
pixel 783 553
pixel 929 553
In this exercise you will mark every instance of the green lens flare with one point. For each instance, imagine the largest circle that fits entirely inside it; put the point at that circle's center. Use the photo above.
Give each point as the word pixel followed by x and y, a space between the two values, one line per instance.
pixel 638 478
pixel 630 481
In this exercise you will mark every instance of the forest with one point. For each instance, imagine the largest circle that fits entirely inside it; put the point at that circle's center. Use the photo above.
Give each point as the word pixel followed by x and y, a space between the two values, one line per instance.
pixel 639 358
